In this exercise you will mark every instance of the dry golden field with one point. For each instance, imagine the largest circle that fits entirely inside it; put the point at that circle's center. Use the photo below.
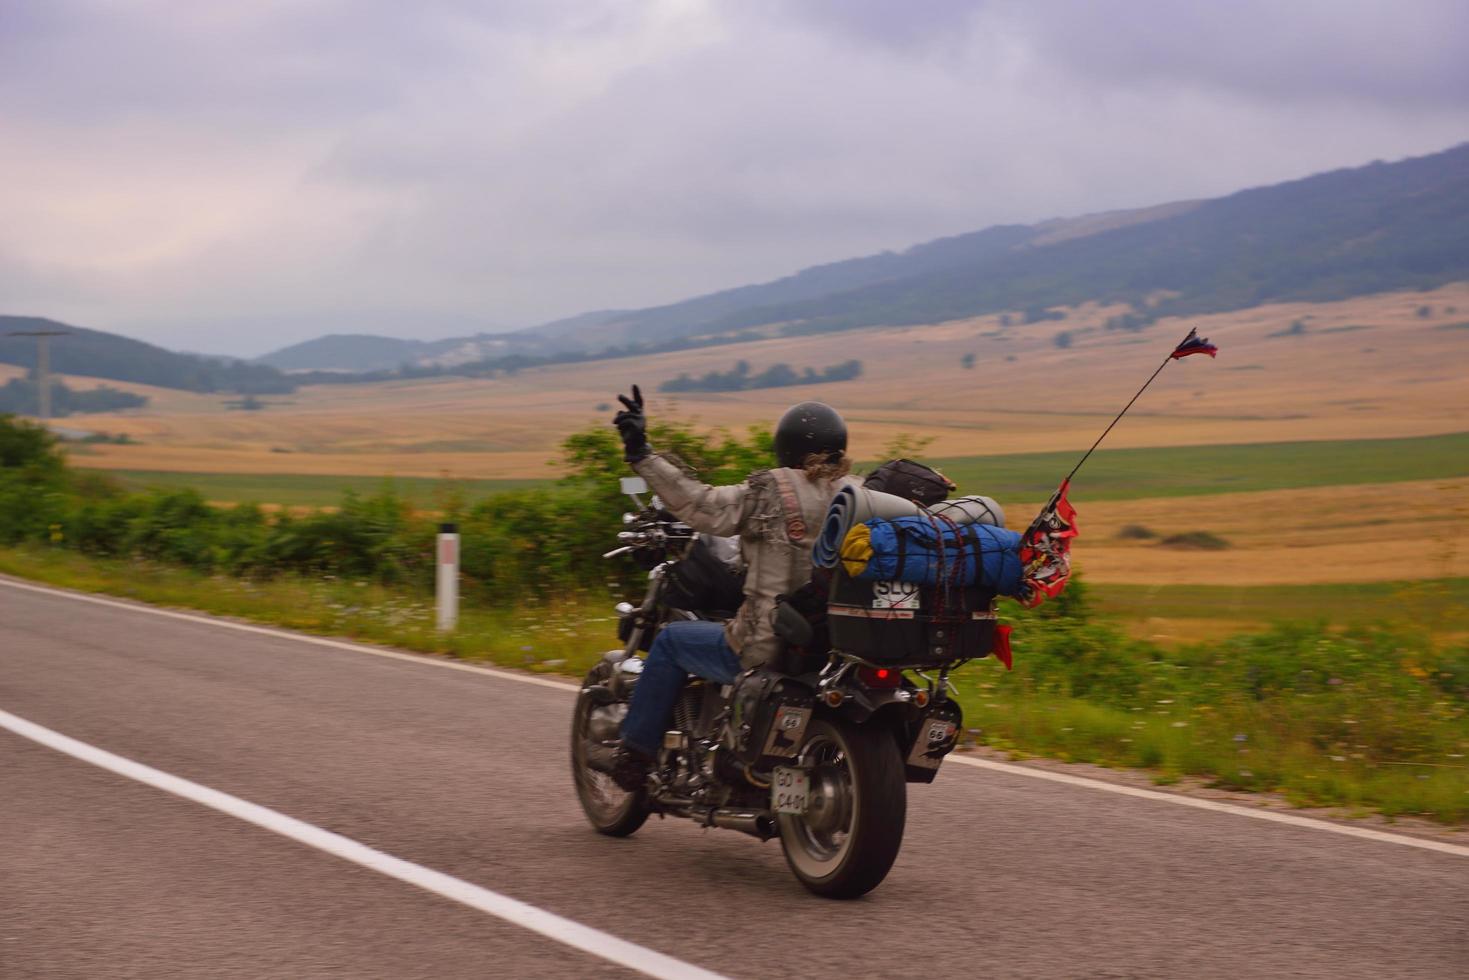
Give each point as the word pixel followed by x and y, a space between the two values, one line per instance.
pixel 1366 367
pixel 1364 533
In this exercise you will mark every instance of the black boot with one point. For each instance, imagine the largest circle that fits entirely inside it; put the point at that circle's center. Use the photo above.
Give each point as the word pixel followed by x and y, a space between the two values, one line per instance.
pixel 630 769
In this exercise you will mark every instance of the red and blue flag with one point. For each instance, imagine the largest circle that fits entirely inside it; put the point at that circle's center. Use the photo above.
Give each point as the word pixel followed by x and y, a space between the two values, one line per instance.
pixel 1194 344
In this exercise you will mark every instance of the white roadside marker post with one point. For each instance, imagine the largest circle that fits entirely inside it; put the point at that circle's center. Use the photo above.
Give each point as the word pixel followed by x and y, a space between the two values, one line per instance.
pixel 448 577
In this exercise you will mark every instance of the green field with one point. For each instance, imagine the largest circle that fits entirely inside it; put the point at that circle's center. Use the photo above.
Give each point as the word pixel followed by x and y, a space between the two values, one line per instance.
pixel 1181 471
pixel 1434 605
pixel 1111 474
pixel 304 490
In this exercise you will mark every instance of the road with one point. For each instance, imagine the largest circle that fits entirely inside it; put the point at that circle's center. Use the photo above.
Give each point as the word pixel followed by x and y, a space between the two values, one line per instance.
pixel 463 772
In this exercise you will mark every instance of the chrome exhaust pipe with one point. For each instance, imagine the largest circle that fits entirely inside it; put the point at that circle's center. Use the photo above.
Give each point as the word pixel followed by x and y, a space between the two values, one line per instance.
pixel 756 823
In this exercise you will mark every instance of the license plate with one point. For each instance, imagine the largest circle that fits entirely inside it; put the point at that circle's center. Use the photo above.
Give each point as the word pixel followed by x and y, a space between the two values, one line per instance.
pixel 789 789
pixel 894 595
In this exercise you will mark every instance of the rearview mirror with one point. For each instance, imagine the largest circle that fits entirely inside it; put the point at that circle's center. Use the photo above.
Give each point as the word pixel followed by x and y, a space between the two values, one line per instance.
pixel 634 485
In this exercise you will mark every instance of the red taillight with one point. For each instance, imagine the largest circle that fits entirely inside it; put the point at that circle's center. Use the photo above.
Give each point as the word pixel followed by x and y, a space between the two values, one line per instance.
pixel 880 677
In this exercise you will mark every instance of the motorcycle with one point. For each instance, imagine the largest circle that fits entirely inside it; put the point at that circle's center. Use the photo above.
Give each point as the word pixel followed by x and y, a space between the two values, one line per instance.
pixel 819 753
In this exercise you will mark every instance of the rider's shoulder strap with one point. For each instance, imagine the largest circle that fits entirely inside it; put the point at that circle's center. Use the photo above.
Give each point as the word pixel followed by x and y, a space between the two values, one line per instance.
pixel 791 504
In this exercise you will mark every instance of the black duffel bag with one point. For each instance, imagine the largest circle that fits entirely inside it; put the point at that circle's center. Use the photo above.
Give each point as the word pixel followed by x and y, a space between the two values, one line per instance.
pixel 910 480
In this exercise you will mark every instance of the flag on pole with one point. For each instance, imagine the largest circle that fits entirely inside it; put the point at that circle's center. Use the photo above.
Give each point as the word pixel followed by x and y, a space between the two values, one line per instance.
pixel 1193 344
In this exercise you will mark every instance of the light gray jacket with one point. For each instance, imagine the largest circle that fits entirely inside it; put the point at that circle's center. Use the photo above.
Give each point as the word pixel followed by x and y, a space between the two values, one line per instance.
pixel 777 514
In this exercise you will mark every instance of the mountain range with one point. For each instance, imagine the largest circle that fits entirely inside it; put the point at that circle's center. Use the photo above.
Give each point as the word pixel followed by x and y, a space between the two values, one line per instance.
pixel 1350 232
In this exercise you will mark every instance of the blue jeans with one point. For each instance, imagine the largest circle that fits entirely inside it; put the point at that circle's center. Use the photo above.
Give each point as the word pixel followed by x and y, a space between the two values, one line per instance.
pixel 681 648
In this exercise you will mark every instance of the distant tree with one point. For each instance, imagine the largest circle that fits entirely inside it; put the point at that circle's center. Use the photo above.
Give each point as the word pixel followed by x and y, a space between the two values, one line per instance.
pixel 1005 320
pixel 1129 321
pixel 775 376
pixel 1062 339
pixel 967 361
pixel 1424 312
pixel 247 404
pixel 1036 314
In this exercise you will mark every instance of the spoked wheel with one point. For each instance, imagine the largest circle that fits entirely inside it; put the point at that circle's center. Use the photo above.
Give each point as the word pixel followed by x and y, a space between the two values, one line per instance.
pixel 848 838
pixel 609 808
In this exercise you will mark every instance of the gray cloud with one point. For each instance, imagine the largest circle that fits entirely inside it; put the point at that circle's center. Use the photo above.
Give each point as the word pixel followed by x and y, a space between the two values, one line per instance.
pixel 181 170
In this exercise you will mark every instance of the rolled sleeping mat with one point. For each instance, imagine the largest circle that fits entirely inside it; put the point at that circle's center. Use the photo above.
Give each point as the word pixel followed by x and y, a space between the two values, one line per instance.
pixel 969 510
pixel 852 506
pixel 857 505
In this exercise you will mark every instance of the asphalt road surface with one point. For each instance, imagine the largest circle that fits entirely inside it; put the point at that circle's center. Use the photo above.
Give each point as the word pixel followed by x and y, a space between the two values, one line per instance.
pixel 463 773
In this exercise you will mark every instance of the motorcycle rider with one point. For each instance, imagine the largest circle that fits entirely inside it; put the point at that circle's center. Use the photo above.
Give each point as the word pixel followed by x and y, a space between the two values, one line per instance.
pixel 776 513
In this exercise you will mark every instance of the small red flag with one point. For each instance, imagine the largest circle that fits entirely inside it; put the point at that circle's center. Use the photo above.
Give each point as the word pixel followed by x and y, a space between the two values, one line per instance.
pixel 1194 344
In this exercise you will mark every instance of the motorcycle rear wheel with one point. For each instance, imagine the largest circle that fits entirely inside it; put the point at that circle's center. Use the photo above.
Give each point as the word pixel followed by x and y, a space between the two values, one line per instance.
pixel 846 843
pixel 609 809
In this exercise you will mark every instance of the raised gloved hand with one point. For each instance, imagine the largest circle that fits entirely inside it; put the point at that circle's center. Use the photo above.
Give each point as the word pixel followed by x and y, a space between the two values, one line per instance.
pixel 632 425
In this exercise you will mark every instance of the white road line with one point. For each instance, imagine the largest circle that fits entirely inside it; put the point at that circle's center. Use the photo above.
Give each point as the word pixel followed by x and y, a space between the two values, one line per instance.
pixel 548 924
pixel 1240 811
pixel 1305 823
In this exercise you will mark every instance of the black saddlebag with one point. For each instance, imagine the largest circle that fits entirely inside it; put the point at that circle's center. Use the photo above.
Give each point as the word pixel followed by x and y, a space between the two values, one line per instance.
pixel 898 623
pixel 768 717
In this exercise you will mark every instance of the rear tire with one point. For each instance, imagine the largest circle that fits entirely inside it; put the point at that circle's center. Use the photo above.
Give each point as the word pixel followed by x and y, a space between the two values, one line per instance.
pixel 847 842
pixel 609 809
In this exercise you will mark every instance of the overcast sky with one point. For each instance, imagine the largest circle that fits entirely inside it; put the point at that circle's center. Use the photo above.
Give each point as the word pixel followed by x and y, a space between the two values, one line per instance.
pixel 235 176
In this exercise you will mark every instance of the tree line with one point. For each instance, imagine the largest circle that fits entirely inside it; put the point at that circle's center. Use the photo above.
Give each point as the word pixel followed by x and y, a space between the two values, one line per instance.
pixel 22 396
pixel 779 375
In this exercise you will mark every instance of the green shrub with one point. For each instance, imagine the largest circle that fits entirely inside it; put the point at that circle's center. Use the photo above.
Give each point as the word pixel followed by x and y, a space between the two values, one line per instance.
pixel 1195 540
pixel 32 481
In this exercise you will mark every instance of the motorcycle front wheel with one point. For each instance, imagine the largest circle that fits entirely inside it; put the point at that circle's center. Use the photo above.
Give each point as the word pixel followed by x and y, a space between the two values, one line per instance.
pixel 610 809
pixel 848 838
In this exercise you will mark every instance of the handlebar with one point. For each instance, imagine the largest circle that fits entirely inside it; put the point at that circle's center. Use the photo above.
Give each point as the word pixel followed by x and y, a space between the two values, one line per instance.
pixel 651 530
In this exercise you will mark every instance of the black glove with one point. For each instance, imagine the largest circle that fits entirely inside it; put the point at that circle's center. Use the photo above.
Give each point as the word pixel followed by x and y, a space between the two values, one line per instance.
pixel 632 425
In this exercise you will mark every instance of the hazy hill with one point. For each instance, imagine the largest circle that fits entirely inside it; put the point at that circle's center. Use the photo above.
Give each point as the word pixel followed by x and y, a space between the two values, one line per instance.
pixel 1331 236
pixel 97 354
pixel 369 352
pixel 343 352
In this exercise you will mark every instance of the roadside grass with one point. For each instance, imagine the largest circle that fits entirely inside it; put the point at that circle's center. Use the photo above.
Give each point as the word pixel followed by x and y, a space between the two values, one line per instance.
pixel 1366 717
pixel 1233 749
pixel 309 490
pixel 1184 471
pixel 565 636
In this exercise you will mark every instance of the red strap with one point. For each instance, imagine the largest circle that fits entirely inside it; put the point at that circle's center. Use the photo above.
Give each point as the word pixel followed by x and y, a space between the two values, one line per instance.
pixel 795 523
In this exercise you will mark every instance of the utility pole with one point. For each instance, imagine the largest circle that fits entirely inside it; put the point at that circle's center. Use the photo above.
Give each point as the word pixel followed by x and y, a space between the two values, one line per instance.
pixel 43 364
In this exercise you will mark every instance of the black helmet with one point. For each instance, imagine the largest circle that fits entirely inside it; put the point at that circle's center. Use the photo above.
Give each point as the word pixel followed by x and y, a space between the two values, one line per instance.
pixel 807 428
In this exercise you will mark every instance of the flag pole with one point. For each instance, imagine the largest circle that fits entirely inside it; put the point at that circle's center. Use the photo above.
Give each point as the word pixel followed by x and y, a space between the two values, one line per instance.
pixel 1171 357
